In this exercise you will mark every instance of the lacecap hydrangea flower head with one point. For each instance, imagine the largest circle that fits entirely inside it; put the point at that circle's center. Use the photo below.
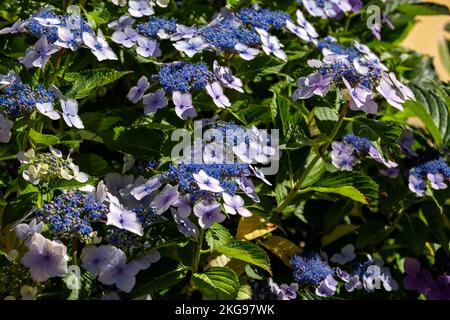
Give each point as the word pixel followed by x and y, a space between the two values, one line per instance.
pixel 203 181
pixel 181 79
pixel 18 99
pixel 48 167
pixel 345 153
pixel 358 72
pixel 313 269
pixel 57 32
pixel 331 8
pixel 245 32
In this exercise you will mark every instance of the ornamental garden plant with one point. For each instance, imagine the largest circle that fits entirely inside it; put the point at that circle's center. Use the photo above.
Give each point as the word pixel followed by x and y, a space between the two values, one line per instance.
pixel 248 150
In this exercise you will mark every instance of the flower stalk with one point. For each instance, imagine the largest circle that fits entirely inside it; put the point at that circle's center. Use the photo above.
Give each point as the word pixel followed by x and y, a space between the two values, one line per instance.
pixel 293 193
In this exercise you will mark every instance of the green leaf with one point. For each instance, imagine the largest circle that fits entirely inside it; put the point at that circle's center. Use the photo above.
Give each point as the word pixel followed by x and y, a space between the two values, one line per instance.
pixel 346 191
pixel 85 83
pixel 436 224
pixel 316 172
pixel 444 53
pixel 84 282
pixel 140 142
pixel 217 283
pixel 217 236
pixel 245 292
pixel 371 233
pixel 359 181
pixel 92 164
pixel 423 9
pixel 45 139
pixel 374 130
pixel 253 273
pixel 246 251
pixel 235 3
pixel 338 232
pixel 63 184
pixel 236 111
pixel 161 282
pixel 291 118
pixel 258 67
pixel 415 234
pixel 326 118
pixel 433 112
pixel 337 212
pixel 19 207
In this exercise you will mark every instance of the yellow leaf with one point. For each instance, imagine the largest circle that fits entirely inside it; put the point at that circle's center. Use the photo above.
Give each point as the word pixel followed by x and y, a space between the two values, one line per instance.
pixel 340 231
pixel 245 292
pixel 253 227
pixel 281 247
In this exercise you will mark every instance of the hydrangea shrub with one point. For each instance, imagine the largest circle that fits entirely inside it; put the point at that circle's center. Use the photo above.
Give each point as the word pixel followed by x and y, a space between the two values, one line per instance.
pixel 250 150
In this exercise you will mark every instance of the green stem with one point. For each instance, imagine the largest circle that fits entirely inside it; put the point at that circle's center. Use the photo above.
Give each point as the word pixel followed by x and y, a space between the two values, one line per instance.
pixel 198 252
pixel 294 191
pixel 11 157
pixel 196 263
pixel 347 22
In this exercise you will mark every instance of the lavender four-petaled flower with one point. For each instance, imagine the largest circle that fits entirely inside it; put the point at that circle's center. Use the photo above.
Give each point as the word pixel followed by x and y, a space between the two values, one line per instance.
pixel 215 91
pixel 117 271
pixel 247 186
pixel 207 183
pixel 163 201
pixel 183 105
pixel 327 287
pixel 314 84
pixel 66 39
pixel 361 98
pixel 45 258
pixel 208 213
pixel 342 156
pixel 246 52
pixel 346 255
pixel 120 24
pixel 94 259
pixel 417 278
pixel 437 181
pixel 147 47
pixel 98 45
pixel 123 218
pixel 154 101
pixel 417 185
pixel 17 27
pixel 39 55
pixel 235 204
pixel 271 44
pixel 70 113
pixel 144 262
pixel 140 8
pixel 184 208
pixel 137 92
pixel 147 188
pixel 287 292
pixel 191 46
pixel 26 231
pixel 128 37
pixel 225 76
